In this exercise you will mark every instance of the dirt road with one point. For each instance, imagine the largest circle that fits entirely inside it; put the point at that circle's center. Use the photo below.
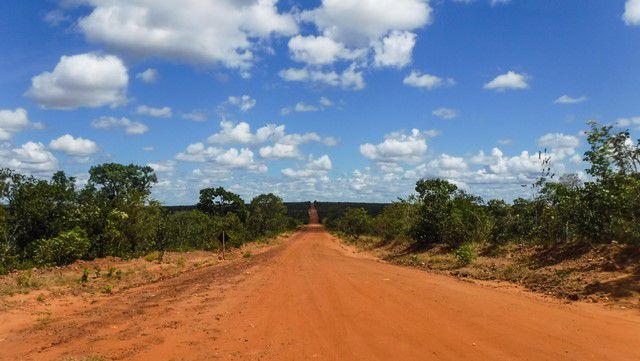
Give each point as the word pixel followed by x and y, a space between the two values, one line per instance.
pixel 312 298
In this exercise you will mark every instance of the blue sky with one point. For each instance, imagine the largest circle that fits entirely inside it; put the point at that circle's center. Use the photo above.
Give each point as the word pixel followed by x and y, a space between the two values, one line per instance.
pixel 349 100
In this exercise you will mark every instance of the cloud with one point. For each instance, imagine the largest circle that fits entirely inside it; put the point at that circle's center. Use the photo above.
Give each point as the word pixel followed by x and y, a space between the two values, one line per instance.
pixel 280 151
pixel 148 149
pixel 164 112
pixel 326 102
pixel 168 166
pixel 448 162
pixel 86 80
pixel 397 147
pixel 305 108
pixel 357 23
pixel 351 78
pixel 56 17
pixel 565 99
pixel 31 158
pixel 12 121
pixel 195 116
pixel 499 2
pixel 240 133
pixel 77 147
pixel 445 113
pixel 207 31
pixel 149 76
pixel 130 127
pixel 319 50
pixel 225 159
pixel 395 50
pixel 510 80
pixel 560 145
pixel 315 168
pixel 426 81
pixel 244 103
pixel 632 12
pixel 629 122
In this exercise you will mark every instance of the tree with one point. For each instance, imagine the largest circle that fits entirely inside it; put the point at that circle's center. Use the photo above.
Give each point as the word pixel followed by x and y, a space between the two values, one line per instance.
pixel 267 215
pixel 355 222
pixel 396 221
pixel 611 154
pixel 434 202
pixel 122 183
pixel 220 202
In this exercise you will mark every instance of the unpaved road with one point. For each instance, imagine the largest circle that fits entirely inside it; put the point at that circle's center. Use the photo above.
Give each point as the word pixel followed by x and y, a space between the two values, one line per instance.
pixel 313 299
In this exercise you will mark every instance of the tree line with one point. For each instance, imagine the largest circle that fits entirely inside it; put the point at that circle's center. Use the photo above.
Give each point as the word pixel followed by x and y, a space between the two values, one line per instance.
pixel 567 210
pixel 55 222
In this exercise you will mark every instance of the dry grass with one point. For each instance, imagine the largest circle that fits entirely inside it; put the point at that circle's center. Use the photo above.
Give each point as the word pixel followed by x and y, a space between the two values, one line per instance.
pixel 607 273
pixel 111 275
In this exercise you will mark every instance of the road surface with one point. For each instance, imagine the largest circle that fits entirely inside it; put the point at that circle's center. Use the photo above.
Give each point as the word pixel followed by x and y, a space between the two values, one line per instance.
pixel 314 299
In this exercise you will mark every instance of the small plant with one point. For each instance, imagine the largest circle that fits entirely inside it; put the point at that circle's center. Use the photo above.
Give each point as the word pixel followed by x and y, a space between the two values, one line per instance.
pixel 111 272
pixel 247 255
pixel 40 298
pixel 153 256
pixel 96 270
pixel 181 261
pixel 108 289
pixel 465 254
pixel 85 276
pixel 24 279
pixel 118 274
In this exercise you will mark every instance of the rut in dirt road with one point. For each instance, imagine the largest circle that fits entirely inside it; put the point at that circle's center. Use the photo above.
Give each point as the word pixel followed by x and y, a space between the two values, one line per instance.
pixel 312 298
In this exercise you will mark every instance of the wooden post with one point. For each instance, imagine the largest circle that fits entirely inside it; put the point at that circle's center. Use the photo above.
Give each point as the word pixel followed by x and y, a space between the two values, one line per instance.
pixel 223 245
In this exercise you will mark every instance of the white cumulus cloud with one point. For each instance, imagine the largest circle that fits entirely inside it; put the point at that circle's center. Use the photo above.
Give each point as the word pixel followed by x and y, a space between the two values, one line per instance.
pixel 30 158
pixel 357 23
pixel 631 14
pixel 319 50
pixel 426 81
pixel 12 121
pixel 130 127
pixel 204 31
pixel 395 50
pixel 149 76
pixel 77 147
pixel 397 147
pixel 351 78
pixel 86 80
pixel 509 80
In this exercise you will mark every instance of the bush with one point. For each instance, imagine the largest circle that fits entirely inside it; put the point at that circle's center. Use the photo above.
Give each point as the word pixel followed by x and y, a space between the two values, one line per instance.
pixel 395 221
pixel 465 254
pixel 355 222
pixel 63 249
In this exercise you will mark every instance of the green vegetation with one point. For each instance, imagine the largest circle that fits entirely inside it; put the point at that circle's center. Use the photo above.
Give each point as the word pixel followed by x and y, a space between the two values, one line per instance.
pixel 53 222
pixel 563 212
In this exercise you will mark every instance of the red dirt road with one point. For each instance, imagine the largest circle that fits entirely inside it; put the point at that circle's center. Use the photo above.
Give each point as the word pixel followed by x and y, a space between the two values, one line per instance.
pixel 313 299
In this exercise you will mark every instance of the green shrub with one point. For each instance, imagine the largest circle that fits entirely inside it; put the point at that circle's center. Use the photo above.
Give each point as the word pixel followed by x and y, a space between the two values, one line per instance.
pixel 355 222
pixel 465 254
pixel 63 249
pixel 85 276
